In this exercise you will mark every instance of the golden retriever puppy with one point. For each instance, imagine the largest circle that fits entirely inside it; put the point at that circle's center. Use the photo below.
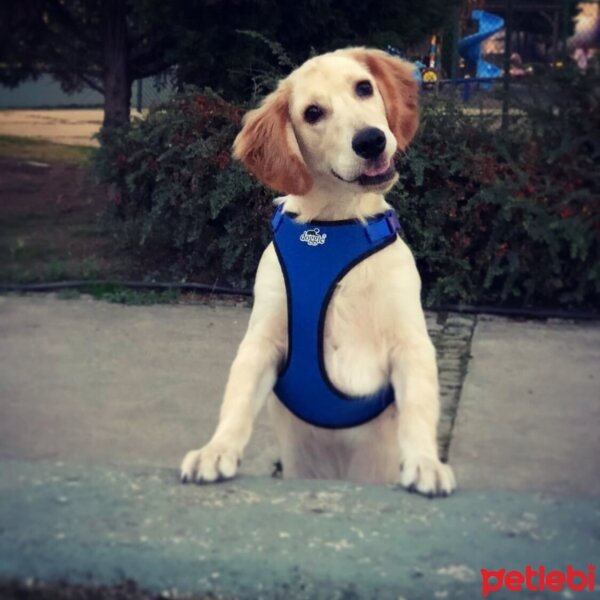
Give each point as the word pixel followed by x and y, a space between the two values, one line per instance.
pixel 362 374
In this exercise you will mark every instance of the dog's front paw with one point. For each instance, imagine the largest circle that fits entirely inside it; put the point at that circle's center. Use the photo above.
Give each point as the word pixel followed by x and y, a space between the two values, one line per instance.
pixel 214 462
pixel 427 476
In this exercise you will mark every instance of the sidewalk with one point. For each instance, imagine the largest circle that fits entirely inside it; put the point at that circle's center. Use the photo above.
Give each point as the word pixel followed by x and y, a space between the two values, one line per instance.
pixel 99 402
pixel 529 416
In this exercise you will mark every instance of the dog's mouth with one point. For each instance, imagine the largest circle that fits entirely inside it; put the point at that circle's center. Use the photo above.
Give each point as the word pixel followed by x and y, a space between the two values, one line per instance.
pixel 376 174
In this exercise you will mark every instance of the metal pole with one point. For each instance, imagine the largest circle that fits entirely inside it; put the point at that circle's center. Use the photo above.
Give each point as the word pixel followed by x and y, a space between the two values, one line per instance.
pixel 139 95
pixel 455 36
pixel 508 25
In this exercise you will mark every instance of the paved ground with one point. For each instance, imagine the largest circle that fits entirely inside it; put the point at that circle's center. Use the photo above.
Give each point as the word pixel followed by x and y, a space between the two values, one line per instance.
pixel 98 403
pixel 539 385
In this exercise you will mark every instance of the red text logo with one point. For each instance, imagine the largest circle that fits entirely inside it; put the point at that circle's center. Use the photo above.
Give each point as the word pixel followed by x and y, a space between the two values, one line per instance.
pixel 538 580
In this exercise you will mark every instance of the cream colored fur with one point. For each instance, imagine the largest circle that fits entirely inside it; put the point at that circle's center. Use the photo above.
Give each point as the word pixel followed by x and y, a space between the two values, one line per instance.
pixel 375 329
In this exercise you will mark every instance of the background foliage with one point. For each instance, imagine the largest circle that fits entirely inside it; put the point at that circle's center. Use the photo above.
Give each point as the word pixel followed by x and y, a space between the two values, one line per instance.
pixel 507 218
pixel 213 49
pixel 179 202
pixel 107 44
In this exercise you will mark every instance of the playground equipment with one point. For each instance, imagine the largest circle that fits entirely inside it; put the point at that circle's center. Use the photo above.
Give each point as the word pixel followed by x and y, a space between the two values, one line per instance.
pixel 470 47
pixel 429 74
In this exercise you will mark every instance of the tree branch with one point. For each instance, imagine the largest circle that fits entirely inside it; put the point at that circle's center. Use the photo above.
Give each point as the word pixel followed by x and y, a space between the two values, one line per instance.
pixel 91 83
pixel 138 72
pixel 144 53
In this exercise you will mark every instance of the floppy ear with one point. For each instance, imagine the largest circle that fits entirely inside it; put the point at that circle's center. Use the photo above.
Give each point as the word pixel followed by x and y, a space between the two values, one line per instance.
pixel 398 87
pixel 267 145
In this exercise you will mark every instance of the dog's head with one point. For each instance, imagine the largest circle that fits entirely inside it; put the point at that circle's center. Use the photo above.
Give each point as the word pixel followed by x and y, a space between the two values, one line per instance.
pixel 339 118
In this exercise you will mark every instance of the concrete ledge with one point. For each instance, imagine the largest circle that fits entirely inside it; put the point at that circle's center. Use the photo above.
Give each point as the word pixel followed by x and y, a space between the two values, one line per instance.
pixel 259 537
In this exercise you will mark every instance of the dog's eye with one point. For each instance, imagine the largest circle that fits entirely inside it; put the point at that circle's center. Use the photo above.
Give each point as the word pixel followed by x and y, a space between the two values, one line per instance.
pixel 364 89
pixel 313 113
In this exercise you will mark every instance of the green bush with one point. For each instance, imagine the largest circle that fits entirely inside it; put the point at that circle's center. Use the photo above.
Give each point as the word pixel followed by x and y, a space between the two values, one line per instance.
pixel 178 201
pixel 506 218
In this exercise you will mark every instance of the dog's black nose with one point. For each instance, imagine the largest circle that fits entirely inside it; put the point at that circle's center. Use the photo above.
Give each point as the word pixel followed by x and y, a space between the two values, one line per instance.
pixel 369 143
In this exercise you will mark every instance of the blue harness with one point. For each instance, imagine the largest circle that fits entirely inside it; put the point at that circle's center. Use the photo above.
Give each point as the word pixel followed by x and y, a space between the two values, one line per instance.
pixel 314 257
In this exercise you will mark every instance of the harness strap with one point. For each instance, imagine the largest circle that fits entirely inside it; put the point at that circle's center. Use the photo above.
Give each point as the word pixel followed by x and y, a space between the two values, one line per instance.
pixel 376 228
pixel 314 257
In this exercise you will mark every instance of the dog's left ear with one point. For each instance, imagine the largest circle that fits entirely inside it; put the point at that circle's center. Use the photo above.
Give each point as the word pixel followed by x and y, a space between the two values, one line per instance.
pixel 396 82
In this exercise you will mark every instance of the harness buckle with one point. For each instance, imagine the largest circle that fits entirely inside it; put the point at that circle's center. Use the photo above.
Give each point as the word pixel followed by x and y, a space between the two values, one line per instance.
pixel 384 227
pixel 277 218
pixel 392 220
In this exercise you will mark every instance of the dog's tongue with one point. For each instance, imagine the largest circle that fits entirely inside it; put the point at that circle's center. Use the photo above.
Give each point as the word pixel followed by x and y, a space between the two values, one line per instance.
pixel 376 169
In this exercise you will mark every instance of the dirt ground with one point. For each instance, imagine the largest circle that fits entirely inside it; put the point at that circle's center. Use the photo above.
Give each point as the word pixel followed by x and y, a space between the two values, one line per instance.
pixel 51 223
pixel 61 126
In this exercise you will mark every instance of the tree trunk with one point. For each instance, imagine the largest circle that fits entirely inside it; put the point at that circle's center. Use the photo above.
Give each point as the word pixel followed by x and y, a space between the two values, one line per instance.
pixel 117 85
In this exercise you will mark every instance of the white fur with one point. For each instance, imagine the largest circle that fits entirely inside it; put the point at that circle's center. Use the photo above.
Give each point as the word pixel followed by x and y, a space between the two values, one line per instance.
pixel 375 330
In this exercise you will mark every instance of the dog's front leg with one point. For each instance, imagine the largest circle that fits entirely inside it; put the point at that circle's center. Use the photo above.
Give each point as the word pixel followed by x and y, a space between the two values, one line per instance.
pixel 251 378
pixel 415 381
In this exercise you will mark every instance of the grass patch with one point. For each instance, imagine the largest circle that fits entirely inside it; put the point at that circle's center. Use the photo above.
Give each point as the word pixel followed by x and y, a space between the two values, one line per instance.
pixel 30 149
pixel 56 269
pixel 53 269
pixel 52 225
pixel 113 292
pixel 68 294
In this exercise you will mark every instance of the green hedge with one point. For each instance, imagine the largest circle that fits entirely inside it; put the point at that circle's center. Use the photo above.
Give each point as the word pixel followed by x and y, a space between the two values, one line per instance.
pixel 178 201
pixel 506 218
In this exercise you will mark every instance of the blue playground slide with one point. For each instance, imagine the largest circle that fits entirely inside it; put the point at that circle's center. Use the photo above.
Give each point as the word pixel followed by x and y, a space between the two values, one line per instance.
pixel 470 47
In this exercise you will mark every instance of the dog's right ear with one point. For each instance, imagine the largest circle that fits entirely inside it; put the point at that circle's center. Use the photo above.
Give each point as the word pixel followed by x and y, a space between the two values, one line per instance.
pixel 268 147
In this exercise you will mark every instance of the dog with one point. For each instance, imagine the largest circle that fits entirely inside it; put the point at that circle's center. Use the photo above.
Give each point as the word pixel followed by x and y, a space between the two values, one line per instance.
pixel 326 138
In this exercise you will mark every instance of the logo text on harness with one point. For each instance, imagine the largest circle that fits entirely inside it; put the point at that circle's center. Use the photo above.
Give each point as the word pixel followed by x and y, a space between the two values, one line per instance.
pixel 312 237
